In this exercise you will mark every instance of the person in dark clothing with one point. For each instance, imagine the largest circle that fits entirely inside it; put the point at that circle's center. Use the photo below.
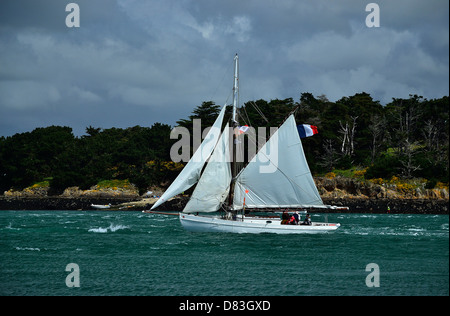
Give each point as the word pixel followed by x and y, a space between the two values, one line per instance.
pixel 285 218
pixel 296 217
pixel 307 220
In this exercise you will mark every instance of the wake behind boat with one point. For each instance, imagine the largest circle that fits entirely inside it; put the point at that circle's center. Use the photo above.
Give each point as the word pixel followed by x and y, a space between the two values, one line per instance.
pixel 277 177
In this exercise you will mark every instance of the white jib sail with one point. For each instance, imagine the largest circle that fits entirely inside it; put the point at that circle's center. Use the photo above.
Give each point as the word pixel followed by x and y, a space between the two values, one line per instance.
pixel 191 172
pixel 279 175
pixel 214 184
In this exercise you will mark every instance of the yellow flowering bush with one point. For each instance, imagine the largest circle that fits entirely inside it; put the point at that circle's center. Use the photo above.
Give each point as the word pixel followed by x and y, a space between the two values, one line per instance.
pixel 113 184
pixel 379 181
pixel 172 166
pixel 360 173
pixel 165 165
pixel 41 184
pixel 394 180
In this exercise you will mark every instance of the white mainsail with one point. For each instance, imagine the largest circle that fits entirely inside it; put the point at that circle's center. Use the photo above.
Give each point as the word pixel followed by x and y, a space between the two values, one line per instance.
pixel 279 179
pixel 191 172
pixel 214 184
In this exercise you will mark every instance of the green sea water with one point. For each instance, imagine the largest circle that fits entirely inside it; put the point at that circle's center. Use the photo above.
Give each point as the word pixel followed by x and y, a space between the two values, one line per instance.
pixel 132 253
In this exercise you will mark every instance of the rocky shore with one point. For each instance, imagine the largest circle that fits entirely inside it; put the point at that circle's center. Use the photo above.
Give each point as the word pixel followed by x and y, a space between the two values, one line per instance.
pixel 394 206
pixel 360 197
pixel 57 203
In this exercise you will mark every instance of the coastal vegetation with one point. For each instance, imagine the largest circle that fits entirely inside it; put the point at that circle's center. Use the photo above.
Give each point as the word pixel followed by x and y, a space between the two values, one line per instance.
pixel 404 144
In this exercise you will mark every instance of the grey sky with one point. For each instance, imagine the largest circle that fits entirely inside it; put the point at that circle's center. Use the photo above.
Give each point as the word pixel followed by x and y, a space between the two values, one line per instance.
pixel 136 62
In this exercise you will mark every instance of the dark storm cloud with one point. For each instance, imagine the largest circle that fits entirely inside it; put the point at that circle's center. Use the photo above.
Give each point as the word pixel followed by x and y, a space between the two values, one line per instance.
pixel 139 62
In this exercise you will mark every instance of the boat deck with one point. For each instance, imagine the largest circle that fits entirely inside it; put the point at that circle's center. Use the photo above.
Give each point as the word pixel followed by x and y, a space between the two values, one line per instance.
pixel 199 223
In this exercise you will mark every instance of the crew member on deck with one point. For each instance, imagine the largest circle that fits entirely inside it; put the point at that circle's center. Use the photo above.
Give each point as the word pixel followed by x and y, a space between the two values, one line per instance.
pixel 296 217
pixel 285 218
pixel 292 221
pixel 307 220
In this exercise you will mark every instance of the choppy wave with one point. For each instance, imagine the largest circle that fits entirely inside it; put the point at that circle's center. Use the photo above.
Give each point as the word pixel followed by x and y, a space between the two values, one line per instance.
pixel 28 248
pixel 111 228
pixel 412 231
pixel 35 250
pixel 11 227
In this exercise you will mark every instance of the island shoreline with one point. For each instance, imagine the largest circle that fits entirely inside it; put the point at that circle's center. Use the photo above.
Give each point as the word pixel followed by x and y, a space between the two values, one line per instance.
pixel 356 205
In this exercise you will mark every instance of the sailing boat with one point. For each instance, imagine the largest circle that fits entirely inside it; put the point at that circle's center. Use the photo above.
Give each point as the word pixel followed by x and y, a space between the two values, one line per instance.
pixel 268 181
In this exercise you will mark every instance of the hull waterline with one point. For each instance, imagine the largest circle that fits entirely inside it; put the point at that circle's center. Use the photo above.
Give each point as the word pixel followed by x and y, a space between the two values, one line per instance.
pixel 195 223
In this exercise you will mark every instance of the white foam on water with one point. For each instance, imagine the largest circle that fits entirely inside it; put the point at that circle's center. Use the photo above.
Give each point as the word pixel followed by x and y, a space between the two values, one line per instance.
pixel 111 228
pixel 10 227
pixel 28 248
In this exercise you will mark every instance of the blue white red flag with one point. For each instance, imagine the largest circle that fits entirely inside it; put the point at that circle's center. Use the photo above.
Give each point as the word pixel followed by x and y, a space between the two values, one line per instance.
pixel 307 130
pixel 243 129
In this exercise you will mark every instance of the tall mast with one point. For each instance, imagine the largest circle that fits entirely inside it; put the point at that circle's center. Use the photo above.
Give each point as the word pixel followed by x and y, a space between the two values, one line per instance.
pixel 235 87
pixel 234 124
